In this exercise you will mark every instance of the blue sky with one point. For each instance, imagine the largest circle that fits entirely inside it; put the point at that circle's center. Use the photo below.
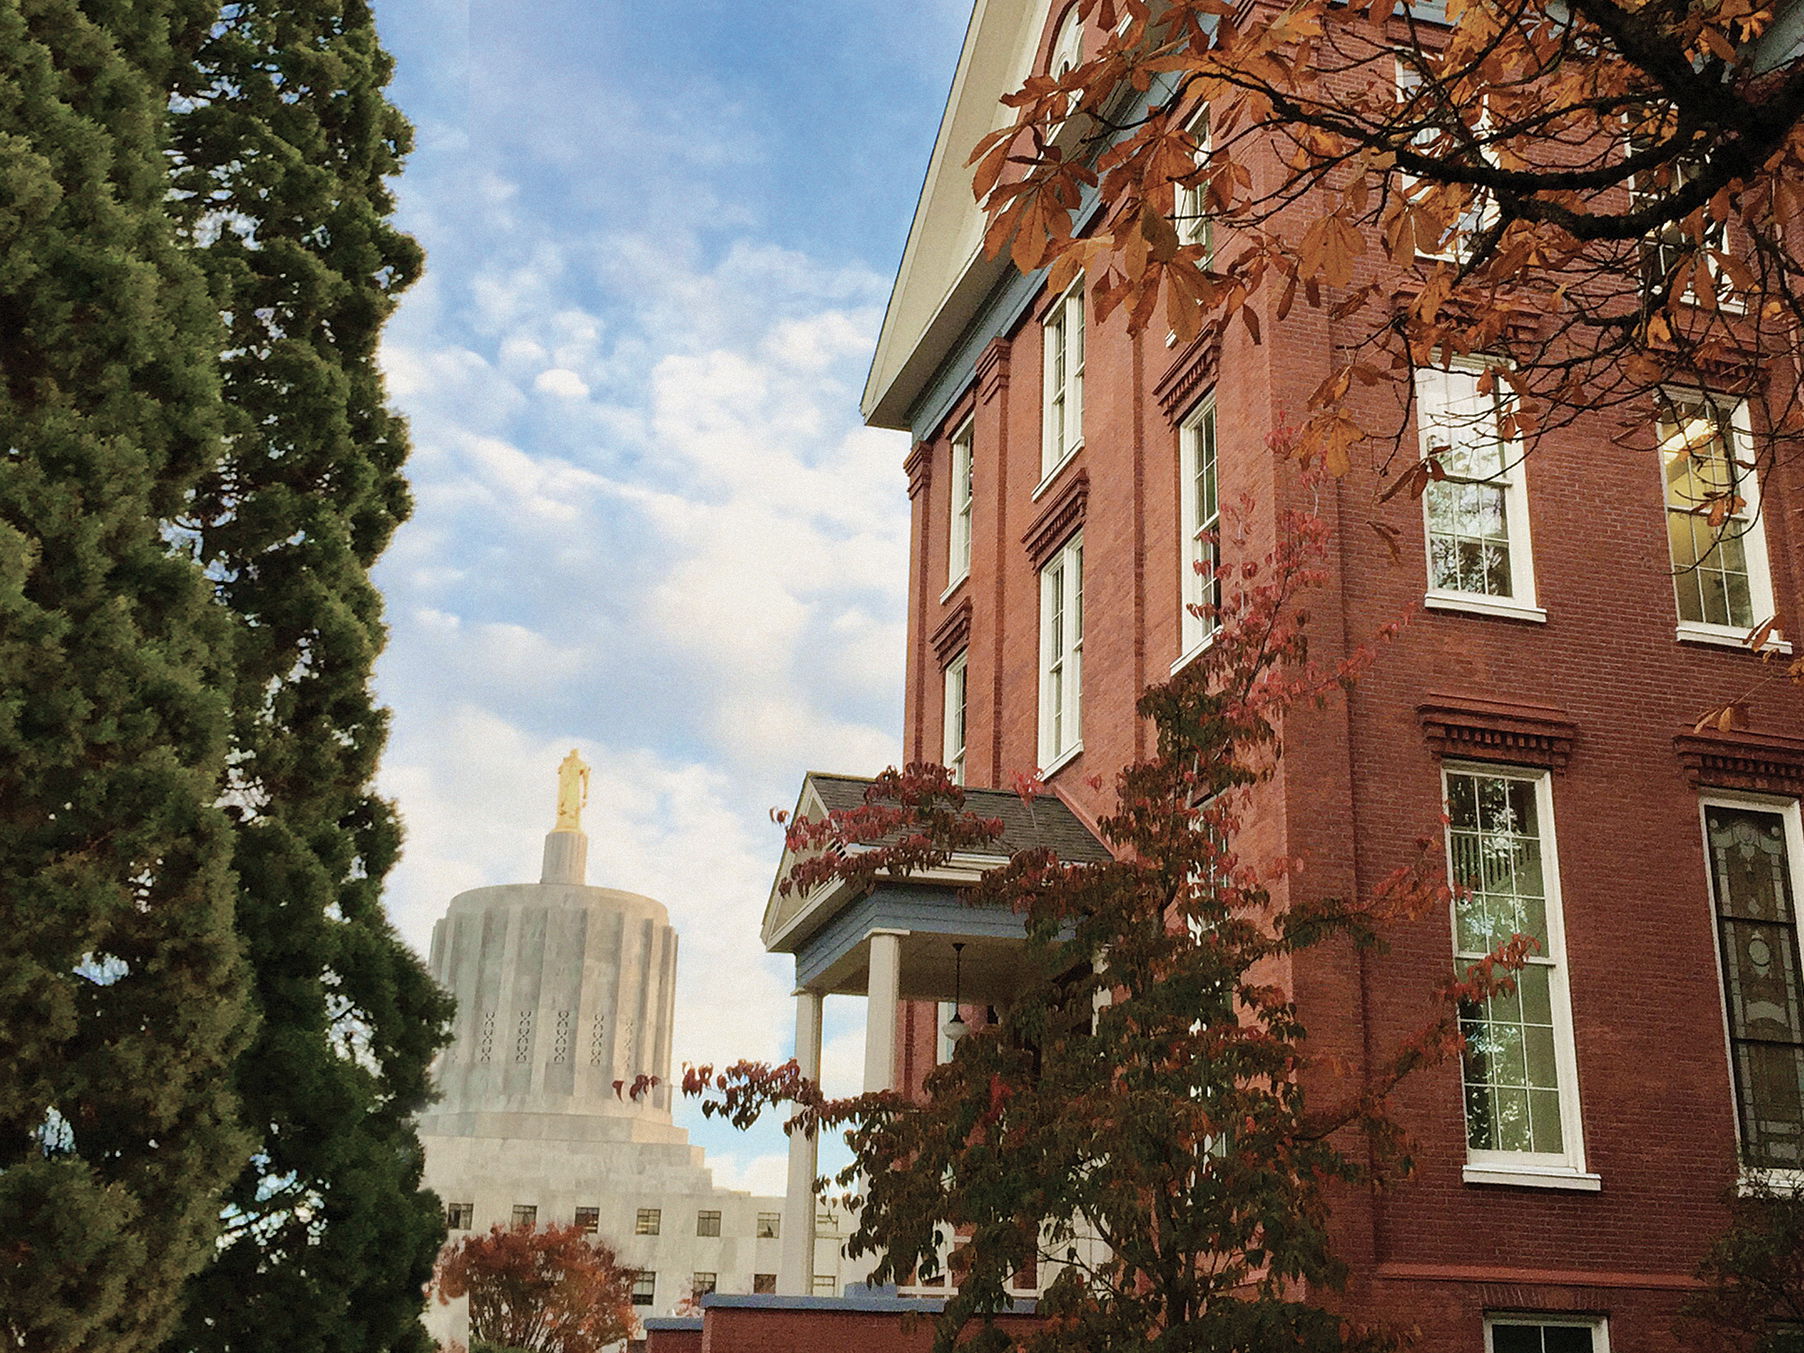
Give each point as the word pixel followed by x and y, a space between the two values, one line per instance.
pixel 648 521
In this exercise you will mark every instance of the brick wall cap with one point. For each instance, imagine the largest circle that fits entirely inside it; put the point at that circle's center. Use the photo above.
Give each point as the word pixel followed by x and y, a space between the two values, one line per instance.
pixel 1497 730
pixel 1191 372
pixel 1742 760
pixel 858 1305
pixel 918 466
pixel 1058 520
pixel 953 633
pixel 672 1323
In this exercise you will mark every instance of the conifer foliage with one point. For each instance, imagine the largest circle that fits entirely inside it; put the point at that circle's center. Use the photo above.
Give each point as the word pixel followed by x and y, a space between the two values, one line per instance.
pixel 1147 1132
pixel 283 146
pixel 122 990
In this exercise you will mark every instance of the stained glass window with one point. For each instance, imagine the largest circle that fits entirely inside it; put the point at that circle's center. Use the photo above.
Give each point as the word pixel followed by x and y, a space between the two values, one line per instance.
pixel 1757 928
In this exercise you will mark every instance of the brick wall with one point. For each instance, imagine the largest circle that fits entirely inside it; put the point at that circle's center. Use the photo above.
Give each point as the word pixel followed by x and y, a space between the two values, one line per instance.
pixel 1360 784
pixel 815 1327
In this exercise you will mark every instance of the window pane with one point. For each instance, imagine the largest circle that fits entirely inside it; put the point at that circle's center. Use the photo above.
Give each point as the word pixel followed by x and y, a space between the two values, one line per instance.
pixel 1201 518
pixel 1061 641
pixel 1510 1065
pixel 1468 511
pixel 958 554
pixel 1567 1339
pixel 1495 852
pixel 1515 1339
pixel 1710 565
pixel 1191 204
pixel 1076 556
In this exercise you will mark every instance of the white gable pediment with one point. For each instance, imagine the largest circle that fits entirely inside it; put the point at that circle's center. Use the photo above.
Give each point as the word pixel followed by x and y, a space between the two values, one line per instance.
pixel 782 911
pixel 944 276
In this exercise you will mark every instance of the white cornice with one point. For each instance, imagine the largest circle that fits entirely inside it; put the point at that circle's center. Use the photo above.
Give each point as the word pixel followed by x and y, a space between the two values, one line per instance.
pixel 944 278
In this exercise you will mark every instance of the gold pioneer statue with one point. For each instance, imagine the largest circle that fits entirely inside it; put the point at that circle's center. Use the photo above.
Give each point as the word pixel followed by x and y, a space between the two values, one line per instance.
pixel 572 792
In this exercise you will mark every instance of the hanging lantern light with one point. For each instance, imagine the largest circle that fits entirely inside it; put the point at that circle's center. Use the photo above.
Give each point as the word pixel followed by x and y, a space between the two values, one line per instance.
pixel 954 1029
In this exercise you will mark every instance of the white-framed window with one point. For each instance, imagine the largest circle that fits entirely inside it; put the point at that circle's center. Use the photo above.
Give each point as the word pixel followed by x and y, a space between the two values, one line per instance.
pixel 1535 1333
pixel 1068 46
pixel 707 1223
pixel 952 754
pixel 1062 417
pixel 958 550
pixel 770 1225
pixel 1199 521
pixel 1519 1069
pixel 1440 128
pixel 1668 246
pixel 1754 846
pixel 648 1221
pixel 459 1216
pixel 1190 206
pixel 1067 51
pixel 588 1220
pixel 645 1287
pixel 1722 582
pixel 525 1216
pixel 701 1284
pixel 1062 654
pixel 1476 515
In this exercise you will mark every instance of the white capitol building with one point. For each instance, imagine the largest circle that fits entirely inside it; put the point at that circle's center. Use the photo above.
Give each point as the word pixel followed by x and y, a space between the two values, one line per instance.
pixel 564 989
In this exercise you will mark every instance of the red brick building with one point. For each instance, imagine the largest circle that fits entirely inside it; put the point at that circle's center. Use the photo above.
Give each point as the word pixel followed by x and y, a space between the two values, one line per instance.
pixel 1562 636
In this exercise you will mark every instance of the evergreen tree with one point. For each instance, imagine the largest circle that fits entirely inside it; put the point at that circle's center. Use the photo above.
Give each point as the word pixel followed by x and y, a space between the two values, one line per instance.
pixel 122 993
pixel 284 141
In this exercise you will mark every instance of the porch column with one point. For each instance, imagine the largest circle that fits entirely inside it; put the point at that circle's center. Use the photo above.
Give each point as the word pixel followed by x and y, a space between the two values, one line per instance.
pixel 880 1015
pixel 795 1266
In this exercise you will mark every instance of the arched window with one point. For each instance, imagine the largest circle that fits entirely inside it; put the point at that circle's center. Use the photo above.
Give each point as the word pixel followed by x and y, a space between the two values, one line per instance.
pixel 1068 47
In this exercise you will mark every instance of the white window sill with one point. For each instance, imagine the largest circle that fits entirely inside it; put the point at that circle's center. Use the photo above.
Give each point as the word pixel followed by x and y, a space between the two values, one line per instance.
pixel 1195 651
pixel 1776 1181
pixel 955 584
pixel 1047 479
pixel 1726 636
pixel 1475 603
pixel 1532 1177
pixel 1063 759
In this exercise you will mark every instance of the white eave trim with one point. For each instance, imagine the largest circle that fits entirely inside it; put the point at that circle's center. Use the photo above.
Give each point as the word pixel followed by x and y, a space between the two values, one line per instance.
pixel 961 870
pixel 947 220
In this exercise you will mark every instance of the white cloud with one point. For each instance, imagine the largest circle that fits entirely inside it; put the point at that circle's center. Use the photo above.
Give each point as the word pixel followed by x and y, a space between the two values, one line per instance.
pixel 540 486
pixel 562 382
pixel 766 1175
